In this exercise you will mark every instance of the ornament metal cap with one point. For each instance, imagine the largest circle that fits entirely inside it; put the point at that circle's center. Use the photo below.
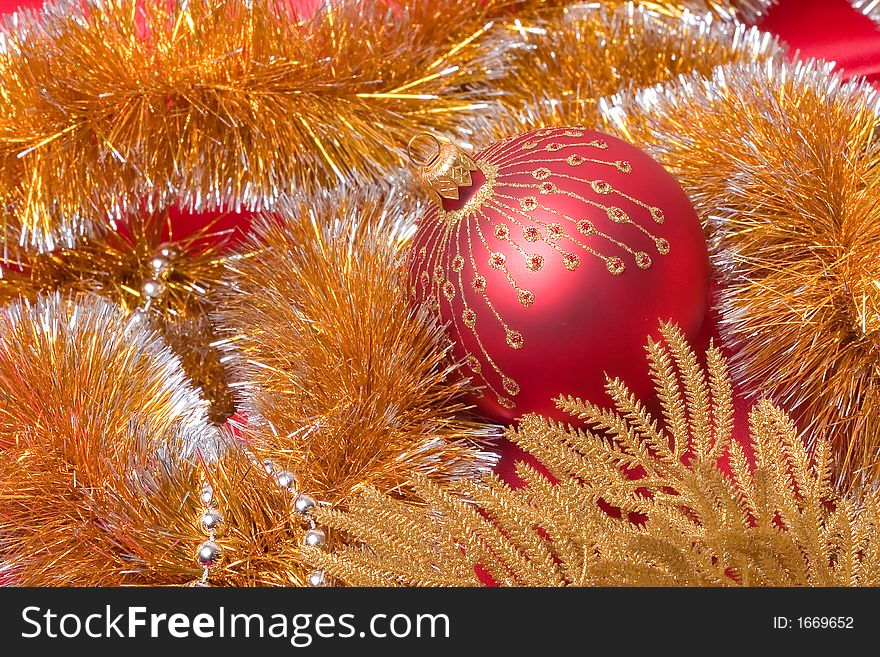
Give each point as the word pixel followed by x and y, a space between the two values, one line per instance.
pixel 446 170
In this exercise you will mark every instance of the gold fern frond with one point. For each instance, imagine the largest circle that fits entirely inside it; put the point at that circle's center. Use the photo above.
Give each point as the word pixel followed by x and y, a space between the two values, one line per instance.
pixel 633 501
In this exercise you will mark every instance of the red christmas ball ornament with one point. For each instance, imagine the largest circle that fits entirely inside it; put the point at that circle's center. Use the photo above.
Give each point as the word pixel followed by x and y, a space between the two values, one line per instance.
pixel 552 256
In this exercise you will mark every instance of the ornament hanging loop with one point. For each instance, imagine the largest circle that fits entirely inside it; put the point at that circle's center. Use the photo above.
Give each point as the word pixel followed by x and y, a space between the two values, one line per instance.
pixel 413 152
pixel 446 171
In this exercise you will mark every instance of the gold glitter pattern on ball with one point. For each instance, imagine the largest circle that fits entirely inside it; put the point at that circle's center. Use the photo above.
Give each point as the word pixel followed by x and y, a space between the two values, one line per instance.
pixel 514 209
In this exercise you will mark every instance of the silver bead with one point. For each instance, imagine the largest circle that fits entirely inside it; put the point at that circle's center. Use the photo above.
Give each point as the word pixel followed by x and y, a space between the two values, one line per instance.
pixel 139 316
pixel 286 479
pixel 152 288
pixel 207 495
pixel 212 520
pixel 315 537
pixel 159 264
pixel 268 466
pixel 168 252
pixel 209 554
pixel 316 578
pixel 304 503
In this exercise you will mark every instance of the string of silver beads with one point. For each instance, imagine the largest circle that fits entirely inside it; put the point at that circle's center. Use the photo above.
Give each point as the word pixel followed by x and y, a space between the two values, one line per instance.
pixel 161 265
pixel 302 504
pixel 210 553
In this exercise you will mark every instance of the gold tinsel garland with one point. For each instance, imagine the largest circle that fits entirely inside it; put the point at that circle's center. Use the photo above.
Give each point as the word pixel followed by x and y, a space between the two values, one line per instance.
pixel 144 267
pixel 341 380
pixel 555 70
pixel 211 104
pixel 107 452
pixel 230 104
pixel 742 10
pixel 780 160
pixel 94 410
pixel 778 523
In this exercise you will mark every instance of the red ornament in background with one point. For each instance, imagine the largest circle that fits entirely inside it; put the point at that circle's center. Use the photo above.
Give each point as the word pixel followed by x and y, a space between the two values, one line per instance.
pixel 552 256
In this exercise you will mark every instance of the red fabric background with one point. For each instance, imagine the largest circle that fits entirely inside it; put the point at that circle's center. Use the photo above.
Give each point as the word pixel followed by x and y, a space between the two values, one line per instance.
pixel 827 29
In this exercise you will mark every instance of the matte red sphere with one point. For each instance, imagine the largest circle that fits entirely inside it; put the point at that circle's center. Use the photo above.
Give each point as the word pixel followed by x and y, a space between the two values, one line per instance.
pixel 555 266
